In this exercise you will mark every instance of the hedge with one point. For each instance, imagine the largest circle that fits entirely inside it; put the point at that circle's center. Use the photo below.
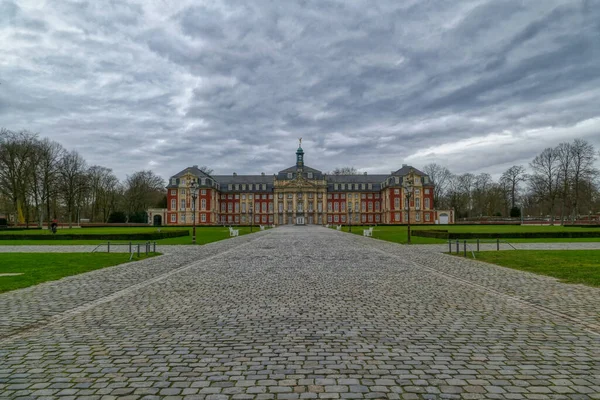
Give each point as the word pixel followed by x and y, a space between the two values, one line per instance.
pixel 101 236
pixel 505 235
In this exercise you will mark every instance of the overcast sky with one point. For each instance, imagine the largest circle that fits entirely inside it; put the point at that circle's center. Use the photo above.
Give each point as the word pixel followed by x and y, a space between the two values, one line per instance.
pixel 474 85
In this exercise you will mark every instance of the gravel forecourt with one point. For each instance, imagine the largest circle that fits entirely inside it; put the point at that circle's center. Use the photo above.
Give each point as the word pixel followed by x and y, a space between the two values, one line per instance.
pixel 301 313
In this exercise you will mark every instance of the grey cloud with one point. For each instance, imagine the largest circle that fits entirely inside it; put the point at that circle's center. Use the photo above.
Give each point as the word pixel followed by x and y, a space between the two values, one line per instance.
pixel 233 85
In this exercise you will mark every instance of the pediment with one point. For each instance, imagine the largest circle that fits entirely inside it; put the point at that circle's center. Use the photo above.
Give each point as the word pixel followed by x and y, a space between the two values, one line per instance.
pixel 298 182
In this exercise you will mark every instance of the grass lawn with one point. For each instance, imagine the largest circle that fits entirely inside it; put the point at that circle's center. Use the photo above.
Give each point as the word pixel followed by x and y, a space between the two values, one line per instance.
pixel 398 234
pixel 570 266
pixel 203 235
pixel 41 267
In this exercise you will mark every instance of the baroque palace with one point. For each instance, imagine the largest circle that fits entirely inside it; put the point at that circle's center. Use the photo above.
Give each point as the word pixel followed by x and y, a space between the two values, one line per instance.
pixel 300 195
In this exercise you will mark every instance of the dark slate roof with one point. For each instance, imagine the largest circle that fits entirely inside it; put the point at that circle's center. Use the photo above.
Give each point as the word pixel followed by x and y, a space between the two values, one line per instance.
pixel 356 178
pixel 194 171
pixel 406 169
pixel 295 168
pixel 227 179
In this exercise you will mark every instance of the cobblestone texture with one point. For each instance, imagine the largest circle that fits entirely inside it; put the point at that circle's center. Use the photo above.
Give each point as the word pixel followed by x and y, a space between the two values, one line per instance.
pixel 305 313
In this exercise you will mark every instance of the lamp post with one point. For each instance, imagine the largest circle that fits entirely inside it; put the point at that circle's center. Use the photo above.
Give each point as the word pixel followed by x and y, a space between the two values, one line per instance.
pixel 408 191
pixel 251 220
pixel 194 192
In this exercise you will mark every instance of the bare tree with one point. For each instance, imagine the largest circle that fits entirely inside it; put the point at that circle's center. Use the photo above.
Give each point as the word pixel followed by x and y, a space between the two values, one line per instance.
pixel 584 156
pixel 440 176
pixel 206 170
pixel 545 179
pixel 73 182
pixel 512 177
pixel 49 155
pixel 142 190
pixel 17 150
pixel 344 171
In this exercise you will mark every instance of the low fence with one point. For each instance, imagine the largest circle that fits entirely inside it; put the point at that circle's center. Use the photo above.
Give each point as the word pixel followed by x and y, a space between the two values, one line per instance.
pixel 444 234
pixel 97 236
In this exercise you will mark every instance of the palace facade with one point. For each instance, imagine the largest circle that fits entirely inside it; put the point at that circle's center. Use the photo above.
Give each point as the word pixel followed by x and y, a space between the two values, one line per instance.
pixel 300 195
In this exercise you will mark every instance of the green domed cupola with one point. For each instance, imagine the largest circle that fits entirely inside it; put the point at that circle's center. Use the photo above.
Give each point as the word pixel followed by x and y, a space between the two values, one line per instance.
pixel 300 156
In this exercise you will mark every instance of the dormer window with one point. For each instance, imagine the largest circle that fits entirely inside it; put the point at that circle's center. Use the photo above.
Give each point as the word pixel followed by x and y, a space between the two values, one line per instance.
pixel 310 175
pixel 290 175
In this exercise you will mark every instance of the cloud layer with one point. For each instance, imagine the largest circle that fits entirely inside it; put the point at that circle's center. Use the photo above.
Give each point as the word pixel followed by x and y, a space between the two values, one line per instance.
pixel 476 85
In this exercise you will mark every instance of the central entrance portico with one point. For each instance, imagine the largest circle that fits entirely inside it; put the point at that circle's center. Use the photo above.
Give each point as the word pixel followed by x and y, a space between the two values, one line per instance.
pixel 300 221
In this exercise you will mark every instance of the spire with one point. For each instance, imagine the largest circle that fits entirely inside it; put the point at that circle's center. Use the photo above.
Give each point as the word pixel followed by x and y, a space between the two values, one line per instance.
pixel 299 155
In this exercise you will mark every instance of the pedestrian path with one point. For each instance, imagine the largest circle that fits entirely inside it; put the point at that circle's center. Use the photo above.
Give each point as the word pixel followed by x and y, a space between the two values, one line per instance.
pixel 302 313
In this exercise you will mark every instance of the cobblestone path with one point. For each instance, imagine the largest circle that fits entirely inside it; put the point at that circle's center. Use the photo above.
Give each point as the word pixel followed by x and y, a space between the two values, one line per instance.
pixel 301 312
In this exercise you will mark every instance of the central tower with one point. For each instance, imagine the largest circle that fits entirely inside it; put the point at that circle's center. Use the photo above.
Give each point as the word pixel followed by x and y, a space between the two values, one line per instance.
pixel 300 157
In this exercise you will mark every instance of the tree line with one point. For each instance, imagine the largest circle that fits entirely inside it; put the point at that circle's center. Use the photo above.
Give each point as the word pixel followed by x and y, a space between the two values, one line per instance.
pixel 41 181
pixel 560 182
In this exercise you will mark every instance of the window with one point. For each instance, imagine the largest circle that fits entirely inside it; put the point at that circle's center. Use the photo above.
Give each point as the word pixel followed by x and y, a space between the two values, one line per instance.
pixel 251 186
pixel 370 195
pixel 376 206
pixel 270 207
pixel 173 204
pixel 336 218
pixel 319 195
pixel 418 203
pixel 397 203
pixel 336 207
pixel 243 197
pixel 264 186
pixel 397 180
pixel 229 207
pixel 342 196
pixel 335 186
pixel 344 207
pixel 427 217
pixel 223 207
pixel 376 195
pixel 396 191
pixel 363 206
pixel 257 218
pixel 222 218
pixel 202 217
pixel 237 207
pixel 329 196
pixel 280 207
pixel 377 218
pixel 310 175
pixel 329 207
pixel 182 204
pixel 363 196
pixel 230 196
pixel 237 219
pixel 320 207
pixel 249 197
pixel 310 195
pixel 173 192
pixel 363 218
pixel 270 219
pixel 370 217
pixel 356 206
pixel 203 192
pixel 427 203
pixel 243 186
pixel 183 218
pixel 417 192
pixel 335 196
pixel 362 185
pixel 264 219
pixel 183 192
pixel 243 219
pixel 370 206
pixel 397 217
pixel 243 207
pixel 280 196
pixel 237 186
pixel 203 204
pixel 264 197
pixel 237 196
pixel 329 218
pixel 290 196
pixel 289 208
pixel 173 218
pixel 343 186
pixel 426 191
pixel 289 175
pixel 230 186
pixel 343 218
pixel 264 207
pixel 223 196
pixel 417 217
pixel 270 197
pixel 370 186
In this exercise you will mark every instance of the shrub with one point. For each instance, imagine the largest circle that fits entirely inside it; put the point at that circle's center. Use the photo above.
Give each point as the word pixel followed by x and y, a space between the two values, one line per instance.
pixel 117 217
pixel 515 212
pixel 99 236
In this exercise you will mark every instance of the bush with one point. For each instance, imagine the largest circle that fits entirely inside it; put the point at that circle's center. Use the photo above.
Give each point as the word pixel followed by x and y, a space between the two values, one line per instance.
pixel 441 234
pixel 117 217
pixel 515 212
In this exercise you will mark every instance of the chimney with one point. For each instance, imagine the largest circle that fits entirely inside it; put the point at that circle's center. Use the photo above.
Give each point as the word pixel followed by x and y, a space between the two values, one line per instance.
pixel 195 166
pixel 365 172
pixel 262 173
pixel 235 174
pixel 404 165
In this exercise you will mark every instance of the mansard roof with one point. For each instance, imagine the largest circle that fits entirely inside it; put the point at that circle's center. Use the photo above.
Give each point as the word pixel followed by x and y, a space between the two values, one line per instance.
pixel 405 170
pixel 295 168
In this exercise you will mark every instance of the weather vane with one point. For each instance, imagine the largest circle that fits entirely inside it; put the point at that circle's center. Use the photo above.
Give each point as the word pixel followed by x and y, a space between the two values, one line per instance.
pixel 300 139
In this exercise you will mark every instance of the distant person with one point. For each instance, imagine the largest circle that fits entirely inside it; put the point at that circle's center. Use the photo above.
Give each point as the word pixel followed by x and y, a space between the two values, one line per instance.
pixel 54 226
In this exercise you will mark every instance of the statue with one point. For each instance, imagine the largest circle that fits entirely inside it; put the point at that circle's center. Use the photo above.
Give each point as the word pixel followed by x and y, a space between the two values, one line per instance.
pixel 300 144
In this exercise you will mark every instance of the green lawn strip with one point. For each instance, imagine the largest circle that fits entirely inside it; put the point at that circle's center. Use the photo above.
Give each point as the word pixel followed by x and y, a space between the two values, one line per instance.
pixel 570 266
pixel 398 234
pixel 203 235
pixel 41 267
